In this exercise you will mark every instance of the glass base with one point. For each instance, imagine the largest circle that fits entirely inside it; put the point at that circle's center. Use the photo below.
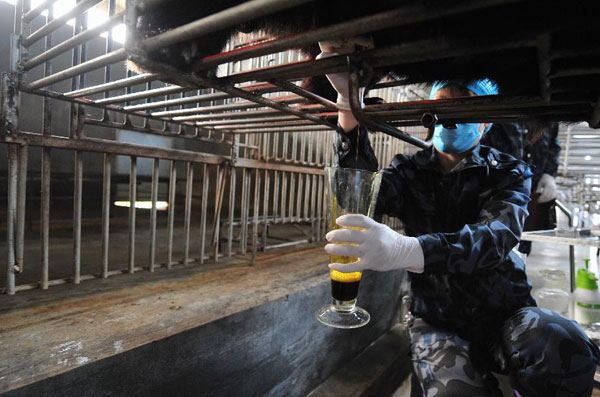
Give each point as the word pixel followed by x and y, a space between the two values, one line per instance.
pixel 343 315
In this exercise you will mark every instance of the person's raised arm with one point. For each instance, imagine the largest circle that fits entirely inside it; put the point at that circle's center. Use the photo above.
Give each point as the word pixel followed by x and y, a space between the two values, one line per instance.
pixel 352 148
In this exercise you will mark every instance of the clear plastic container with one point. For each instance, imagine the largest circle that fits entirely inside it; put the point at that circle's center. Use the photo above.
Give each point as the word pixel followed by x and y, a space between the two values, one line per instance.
pixel 553 294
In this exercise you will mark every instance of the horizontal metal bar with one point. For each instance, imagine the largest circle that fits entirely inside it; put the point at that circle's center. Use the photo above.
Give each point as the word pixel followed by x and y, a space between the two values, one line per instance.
pixel 383 20
pixel 88 102
pixel 230 17
pixel 283 129
pixel 245 121
pixel 261 113
pixel 257 164
pixel 257 89
pixel 74 41
pixel 113 85
pixel 174 74
pixel 96 63
pixel 119 148
pixel 287 123
pixel 229 106
pixel 171 89
pixel 34 12
pixel 56 23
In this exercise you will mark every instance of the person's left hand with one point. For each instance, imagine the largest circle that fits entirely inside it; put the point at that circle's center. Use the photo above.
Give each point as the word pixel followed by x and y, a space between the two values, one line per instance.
pixel 378 247
pixel 546 188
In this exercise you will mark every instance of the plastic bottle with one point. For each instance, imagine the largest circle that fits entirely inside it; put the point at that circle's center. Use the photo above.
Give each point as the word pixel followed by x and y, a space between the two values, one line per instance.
pixel 552 295
pixel 586 297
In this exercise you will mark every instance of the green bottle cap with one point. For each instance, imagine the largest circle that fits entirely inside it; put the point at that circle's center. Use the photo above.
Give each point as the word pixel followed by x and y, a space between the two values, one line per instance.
pixel 586 280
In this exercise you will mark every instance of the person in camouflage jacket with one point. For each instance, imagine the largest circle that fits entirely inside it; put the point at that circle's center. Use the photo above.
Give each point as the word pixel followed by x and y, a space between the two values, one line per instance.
pixel 470 294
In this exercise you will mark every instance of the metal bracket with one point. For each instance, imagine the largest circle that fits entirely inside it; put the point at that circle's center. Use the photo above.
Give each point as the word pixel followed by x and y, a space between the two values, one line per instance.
pixel 9 101
pixel 354 71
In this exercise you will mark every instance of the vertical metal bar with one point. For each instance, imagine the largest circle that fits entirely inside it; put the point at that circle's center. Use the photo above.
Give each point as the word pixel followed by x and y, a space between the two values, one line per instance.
pixel 106 212
pixel 78 187
pixel 205 184
pixel 11 218
pixel 219 193
pixel 132 213
pixel 188 211
pixel 306 195
pixel 292 190
pixel 21 206
pixel 46 164
pixel 266 209
pixel 275 196
pixel 283 195
pixel 154 193
pixel 245 209
pixel 171 220
pixel 255 217
pixel 231 211
pixel 45 216
pixel 299 198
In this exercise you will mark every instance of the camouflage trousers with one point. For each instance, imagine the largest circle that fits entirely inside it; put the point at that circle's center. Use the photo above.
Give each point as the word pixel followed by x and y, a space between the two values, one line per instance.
pixel 542 352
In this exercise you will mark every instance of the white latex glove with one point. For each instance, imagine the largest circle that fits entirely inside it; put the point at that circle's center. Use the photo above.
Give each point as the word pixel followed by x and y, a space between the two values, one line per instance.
pixel 378 247
pixel 340 81
pixel 546 188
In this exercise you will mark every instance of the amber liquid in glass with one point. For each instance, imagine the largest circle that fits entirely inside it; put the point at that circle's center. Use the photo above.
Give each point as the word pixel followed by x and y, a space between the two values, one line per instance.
pixel 344 286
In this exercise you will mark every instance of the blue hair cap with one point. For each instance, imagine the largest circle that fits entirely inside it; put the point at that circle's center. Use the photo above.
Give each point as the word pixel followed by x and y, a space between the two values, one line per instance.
pixel 478 87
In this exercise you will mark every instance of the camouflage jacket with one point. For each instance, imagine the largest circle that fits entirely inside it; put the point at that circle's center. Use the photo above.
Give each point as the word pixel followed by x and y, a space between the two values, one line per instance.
pixel 467 222
pixel 541 155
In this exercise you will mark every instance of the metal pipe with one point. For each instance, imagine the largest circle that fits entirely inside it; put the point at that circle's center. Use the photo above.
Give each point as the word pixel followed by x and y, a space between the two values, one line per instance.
pixel 230 106
pixel 258 89
pixel 222 172
pixel 313 200
pixel 288 244
pixel 244 121
pixel 106 213
pixel 74 41
pixel 154 194
pixel 205 184
pixel 113 85
pixel 284 192
pixel 11 215
pixel 21 206
pixel 282 129
pixel 171 216
pixel 231 211
pixel 132 213
pixel 50 27
pixel 96 63
pixel 112 147
pixel 230 17
pixel 148 93
pixel 244 209
pixel 189 181
pixel 77 200
pixel 305 94
pixel 230 89
pixel 257 183
pixel 266 208
pixel 34 12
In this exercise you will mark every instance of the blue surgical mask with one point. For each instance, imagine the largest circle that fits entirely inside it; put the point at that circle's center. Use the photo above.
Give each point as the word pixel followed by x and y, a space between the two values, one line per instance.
pixel 456 140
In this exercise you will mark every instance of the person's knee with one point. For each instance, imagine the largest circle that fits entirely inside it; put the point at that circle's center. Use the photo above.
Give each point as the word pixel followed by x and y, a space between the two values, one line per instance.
pixel 547 352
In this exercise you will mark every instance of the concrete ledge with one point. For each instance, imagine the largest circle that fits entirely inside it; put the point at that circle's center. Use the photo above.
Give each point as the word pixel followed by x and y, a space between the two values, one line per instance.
pixel 378 371
pixel 209 331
